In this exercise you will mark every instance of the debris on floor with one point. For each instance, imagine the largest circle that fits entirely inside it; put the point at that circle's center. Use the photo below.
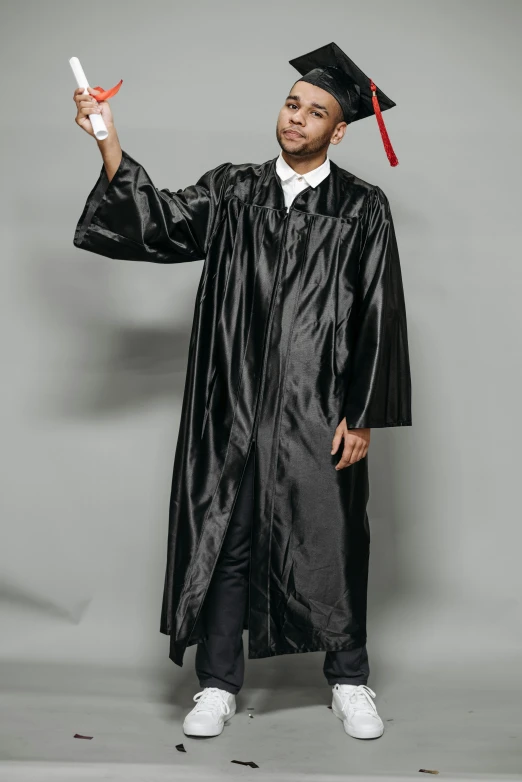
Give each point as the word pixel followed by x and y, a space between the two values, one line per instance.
pixel 246 763
pixel 180 748
pixel 79 736
pixel 429 770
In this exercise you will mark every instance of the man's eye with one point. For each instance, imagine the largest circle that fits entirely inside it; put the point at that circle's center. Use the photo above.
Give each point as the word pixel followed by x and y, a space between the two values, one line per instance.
pixel 293 105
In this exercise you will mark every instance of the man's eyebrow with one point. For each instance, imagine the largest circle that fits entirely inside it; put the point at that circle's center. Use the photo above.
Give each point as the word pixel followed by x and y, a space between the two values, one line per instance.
pixel 317 105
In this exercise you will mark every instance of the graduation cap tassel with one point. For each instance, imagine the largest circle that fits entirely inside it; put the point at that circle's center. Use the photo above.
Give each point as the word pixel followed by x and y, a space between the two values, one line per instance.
pixel 392 157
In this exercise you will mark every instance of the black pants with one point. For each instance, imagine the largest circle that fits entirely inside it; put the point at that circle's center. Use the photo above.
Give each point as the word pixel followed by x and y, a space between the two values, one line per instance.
pixel 220 655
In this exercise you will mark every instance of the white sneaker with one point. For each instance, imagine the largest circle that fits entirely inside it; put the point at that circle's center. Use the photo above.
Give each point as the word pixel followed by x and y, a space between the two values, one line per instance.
pixel 352 704
pixel 214 707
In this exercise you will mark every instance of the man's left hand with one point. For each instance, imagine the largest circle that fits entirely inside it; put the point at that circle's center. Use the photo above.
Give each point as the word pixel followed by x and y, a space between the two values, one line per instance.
pixel 356 444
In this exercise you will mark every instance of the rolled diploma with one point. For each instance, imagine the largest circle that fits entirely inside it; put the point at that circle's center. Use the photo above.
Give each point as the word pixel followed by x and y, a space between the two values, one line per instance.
pixel 98 125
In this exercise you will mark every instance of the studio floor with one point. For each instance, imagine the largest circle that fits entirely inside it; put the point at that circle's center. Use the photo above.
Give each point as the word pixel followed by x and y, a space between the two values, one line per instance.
pixel 462 725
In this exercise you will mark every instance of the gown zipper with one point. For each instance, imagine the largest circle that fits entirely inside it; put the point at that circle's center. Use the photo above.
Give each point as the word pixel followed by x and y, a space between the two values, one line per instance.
pixel 268 329
pixel 270 315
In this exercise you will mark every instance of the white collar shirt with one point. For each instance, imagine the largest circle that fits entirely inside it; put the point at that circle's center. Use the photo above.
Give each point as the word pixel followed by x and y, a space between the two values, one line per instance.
pixel 293 183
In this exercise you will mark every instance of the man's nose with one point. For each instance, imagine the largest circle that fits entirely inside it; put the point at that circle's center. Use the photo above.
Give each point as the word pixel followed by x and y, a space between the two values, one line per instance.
pixel 297 118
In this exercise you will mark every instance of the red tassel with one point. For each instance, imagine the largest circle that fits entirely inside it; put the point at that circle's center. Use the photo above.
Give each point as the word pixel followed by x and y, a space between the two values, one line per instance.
pixel 392 157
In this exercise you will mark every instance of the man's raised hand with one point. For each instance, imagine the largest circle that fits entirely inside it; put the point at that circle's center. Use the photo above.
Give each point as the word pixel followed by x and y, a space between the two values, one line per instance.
pixel 86 105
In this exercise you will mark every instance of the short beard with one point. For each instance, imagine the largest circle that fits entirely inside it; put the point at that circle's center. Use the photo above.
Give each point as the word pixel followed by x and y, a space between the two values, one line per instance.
pixel 308 148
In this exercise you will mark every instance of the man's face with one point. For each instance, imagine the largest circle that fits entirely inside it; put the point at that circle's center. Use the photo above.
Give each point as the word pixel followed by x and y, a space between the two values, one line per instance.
pixel 309 120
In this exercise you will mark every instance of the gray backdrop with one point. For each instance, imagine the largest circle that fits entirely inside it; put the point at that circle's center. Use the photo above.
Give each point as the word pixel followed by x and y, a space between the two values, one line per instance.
pixel 94 350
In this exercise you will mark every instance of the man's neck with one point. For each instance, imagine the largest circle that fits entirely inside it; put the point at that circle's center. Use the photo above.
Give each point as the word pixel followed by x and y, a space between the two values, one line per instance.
pixel 302 165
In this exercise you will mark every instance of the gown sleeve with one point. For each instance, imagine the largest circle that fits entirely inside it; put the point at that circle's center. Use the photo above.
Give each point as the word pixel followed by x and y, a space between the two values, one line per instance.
pixel 379 384
pixel 130 219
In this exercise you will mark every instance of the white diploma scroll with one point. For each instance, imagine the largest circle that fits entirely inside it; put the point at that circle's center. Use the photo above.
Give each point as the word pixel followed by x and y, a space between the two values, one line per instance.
pixel 98 125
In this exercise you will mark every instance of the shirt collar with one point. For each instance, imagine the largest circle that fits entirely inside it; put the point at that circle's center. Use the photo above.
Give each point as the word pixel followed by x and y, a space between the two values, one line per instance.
pixel 312 178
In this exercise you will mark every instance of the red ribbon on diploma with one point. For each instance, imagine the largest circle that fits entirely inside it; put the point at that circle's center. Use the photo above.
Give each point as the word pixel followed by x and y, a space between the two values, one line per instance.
pixel 107 93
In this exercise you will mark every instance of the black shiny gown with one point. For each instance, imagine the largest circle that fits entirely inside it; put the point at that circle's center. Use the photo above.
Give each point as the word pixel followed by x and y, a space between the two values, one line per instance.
pixel 299 321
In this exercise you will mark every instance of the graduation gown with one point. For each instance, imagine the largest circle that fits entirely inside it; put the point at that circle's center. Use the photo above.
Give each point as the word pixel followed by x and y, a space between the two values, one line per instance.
pixel 299 321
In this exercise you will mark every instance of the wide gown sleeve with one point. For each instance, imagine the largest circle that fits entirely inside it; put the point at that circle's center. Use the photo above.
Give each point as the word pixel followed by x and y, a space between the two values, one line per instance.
pixel 379 383
pixel 129 218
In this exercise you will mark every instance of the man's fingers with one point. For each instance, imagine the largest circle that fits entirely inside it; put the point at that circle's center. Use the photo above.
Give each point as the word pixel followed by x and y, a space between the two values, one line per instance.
pixel 336 442
pixel 81 91
pixel 346 458
pixel 351 454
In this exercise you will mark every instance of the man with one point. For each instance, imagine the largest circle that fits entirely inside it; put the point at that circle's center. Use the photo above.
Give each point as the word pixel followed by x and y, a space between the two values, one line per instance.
pixel 298 347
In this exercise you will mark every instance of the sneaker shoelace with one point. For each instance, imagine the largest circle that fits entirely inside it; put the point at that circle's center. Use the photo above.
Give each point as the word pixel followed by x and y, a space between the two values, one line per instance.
pixel 211 699
pixel 360 698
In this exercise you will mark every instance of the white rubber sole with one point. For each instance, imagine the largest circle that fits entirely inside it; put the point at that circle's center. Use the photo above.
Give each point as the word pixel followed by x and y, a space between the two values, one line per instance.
pixel 358 734
pixel 203 730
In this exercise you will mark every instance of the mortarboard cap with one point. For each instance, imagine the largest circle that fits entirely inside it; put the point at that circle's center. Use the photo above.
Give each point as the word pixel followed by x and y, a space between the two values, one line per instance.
pixel 331 69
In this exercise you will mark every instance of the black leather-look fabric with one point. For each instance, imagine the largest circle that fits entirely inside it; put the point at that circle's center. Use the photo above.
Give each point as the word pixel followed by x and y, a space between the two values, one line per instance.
pixel 299 320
